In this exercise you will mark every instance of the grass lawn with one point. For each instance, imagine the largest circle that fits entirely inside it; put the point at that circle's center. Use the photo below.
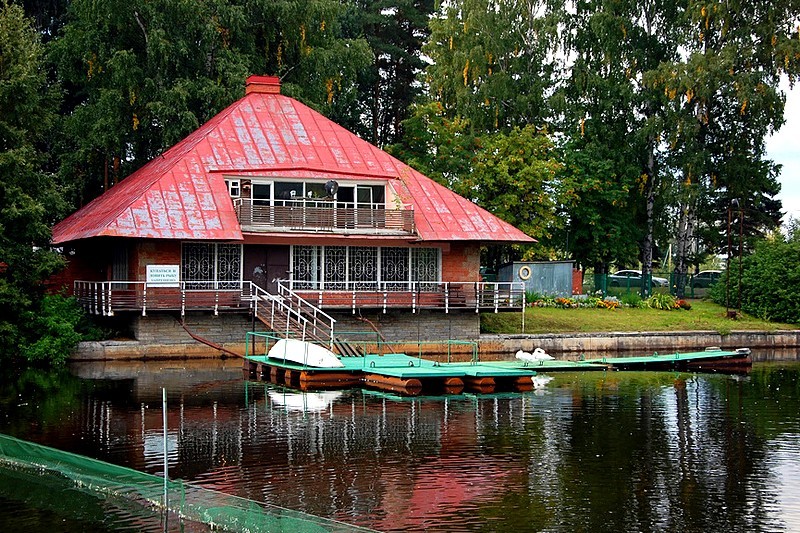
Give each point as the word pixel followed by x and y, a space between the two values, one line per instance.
pixel 704 316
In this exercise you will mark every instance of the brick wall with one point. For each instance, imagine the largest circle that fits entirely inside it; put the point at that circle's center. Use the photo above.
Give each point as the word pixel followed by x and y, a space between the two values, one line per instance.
pixel 424 325
pixel 88 261
pixel 153 252
pixel 461 262
pixel 162 328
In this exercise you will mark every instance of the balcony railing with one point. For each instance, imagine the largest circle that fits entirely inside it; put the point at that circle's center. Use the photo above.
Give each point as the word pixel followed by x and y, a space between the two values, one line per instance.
pixel 320 215
pixel 109 297
pixel 480 296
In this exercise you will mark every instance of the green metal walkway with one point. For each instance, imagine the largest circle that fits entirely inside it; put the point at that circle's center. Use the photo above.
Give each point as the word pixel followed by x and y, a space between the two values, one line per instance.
pixel 406 367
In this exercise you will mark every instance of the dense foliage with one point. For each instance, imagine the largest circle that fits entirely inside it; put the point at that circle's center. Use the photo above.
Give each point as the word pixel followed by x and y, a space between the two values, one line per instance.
pixel 29 200
pixel 612 132
pixel 768 285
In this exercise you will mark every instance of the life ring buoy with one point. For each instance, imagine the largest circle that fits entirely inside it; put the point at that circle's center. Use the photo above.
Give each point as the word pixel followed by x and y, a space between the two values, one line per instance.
pixel 524 272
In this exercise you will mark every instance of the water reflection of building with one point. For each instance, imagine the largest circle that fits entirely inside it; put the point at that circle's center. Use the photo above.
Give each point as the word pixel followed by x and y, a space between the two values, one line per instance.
pixel 660 450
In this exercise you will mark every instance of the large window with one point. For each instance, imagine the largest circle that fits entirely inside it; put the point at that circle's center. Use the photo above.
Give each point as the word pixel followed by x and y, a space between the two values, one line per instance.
pixel 364 268
pixel 206 265
pixel 313 193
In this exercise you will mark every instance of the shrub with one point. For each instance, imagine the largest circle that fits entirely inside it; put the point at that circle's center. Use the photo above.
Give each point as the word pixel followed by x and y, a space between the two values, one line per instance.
pixel 770 280
pixel 663 301
pixel 532 296
pixel 632 299
pixel 56 329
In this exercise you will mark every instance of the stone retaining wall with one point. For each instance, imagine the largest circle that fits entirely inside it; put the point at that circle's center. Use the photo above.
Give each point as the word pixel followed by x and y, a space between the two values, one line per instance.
pixel 561 346
pixel 160 335
pixel 570 346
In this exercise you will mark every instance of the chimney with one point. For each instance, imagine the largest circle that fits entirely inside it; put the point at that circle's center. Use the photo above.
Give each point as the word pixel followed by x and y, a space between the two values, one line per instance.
pixel 263 84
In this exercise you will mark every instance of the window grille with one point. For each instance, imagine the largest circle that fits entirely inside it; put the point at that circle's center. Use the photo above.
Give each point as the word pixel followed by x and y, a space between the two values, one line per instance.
pixel 204 264
pixel 335 268
pixel 363 267
pixel 394 268
pixel 306 267
pixel 425 268
pixel 229 265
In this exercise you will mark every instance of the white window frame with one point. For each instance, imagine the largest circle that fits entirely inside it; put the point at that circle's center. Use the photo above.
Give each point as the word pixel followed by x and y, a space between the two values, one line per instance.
pixel 234 187
pixel 304 195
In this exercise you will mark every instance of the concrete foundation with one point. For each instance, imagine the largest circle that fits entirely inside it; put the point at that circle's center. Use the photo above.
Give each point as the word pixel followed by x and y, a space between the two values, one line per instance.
pixel 161 336
pixel 229 330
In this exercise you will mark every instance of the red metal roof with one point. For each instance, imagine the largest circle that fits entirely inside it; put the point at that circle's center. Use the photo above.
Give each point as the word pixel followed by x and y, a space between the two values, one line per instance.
pixel 182 194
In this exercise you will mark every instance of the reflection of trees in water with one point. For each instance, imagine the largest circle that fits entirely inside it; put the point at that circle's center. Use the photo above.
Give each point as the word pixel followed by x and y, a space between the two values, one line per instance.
pixel 615 451
pixel 665 456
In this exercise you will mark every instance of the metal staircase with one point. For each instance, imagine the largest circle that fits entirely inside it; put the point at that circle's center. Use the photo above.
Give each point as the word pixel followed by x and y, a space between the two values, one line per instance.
pixel 288 314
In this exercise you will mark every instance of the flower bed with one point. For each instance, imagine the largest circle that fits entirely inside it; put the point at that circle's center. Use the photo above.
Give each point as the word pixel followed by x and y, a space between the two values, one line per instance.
pixel 665 302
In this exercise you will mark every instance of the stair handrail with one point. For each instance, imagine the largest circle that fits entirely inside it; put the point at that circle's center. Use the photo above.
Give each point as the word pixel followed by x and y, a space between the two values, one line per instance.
pixel 306 314
pixel 259 295
pixel 320 320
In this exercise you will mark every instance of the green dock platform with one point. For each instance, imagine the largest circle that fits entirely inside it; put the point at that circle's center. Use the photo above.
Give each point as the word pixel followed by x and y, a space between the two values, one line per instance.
pixel 396 372
pixel 709 359
pixel 411 375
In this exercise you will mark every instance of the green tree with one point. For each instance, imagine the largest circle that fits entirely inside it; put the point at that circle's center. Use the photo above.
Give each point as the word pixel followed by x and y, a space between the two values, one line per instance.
pixel 769 287
pixel 442 148
pixel 387 88
pixel 29 200
pixel 600 228
pixel 139 76
pixel 491 62
pixel 307 45
pixel 725 100
pixel 517 176
pixel 611 120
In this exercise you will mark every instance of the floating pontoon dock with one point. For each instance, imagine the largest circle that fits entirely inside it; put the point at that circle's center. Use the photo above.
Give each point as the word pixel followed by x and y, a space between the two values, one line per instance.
pixel 394 372
pixel 712 359
pixel 413 375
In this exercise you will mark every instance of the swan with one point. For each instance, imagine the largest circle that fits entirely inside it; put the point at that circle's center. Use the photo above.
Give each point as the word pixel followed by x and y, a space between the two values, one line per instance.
pixel 538 355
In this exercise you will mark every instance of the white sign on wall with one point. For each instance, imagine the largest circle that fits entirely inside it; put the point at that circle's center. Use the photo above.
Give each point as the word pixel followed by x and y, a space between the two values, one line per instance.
pixel 163 275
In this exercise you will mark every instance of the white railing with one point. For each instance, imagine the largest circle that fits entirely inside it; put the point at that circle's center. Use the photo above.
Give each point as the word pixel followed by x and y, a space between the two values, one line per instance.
pixel 106 297
pixel 296 314
pixel 303 298
pixel 412 295
pixel 321 324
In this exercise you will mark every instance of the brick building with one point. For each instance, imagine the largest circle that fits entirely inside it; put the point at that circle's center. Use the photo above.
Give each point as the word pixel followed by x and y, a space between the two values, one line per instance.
pixel 270 201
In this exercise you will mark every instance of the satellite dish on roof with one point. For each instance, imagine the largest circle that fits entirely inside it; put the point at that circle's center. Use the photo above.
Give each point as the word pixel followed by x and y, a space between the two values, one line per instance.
pixel 331 187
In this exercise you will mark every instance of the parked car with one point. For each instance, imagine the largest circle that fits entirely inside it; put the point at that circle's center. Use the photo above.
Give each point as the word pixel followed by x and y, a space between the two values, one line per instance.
pixel 633 278
pixel 705 278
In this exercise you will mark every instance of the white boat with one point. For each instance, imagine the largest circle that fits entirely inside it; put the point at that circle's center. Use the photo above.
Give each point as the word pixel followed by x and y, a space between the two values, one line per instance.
pixel 304 353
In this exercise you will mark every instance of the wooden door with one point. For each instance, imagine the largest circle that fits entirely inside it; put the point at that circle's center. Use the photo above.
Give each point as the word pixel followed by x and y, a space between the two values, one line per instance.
pixel 264 264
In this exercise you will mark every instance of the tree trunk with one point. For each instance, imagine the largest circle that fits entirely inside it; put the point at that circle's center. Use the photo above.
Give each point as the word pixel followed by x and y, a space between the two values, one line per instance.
pixel 600 277
pixel 683 246
pixel 647 243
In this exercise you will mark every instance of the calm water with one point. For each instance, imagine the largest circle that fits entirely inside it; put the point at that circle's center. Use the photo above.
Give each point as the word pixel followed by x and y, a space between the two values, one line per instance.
pixel 588 452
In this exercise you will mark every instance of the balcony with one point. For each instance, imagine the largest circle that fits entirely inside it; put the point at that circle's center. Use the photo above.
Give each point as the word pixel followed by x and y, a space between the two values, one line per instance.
pixel 322 216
